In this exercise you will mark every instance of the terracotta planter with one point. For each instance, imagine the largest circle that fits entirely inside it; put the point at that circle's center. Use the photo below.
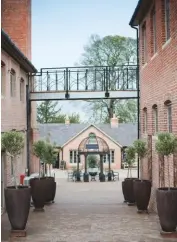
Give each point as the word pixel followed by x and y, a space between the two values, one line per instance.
pixel 142 192
pixel 38 193
pixel 128 191
pixel 167 208
pixel 18 205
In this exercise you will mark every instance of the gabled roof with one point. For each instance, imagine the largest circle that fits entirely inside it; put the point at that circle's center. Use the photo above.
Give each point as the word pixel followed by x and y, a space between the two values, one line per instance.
pixel 92 125
pixel 61 134
pixel 140 12
pixel 8 46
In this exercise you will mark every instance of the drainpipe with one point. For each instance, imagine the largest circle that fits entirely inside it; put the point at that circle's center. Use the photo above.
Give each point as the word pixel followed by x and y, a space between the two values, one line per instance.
pixel 28 124
pixel 138 88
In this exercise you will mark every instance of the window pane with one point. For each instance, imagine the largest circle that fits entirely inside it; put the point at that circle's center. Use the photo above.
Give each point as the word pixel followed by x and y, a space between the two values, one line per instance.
pixel 154 30
pixel 169 111
pixel 104 158
pixel 75 157
pixel 2 78
pixel 155 120
pixel 144 43
pixel 92 138
pixel 112 156
pixel 12 83
pixel 22 89
pixel 167 18
pixel 71 156
pixel 145 120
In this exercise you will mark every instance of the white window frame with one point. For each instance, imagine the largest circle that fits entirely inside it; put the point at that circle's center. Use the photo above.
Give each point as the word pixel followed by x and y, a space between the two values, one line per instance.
pixel 74 157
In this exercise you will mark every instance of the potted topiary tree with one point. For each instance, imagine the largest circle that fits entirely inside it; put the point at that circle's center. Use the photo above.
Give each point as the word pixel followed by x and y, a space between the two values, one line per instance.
pixel 127 184
pixel 142 188
pixel 17 198
pixel 92 164
pixel 166 197
pixel 50 155
pixel 38 185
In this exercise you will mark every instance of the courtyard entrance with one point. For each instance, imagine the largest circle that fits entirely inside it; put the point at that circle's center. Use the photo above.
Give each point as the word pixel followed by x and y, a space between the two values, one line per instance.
pixel 88 212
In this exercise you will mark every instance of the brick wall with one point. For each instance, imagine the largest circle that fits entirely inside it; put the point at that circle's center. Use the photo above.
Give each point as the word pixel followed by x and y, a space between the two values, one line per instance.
pixel 13 112
pixel 16 22
pixel 158 84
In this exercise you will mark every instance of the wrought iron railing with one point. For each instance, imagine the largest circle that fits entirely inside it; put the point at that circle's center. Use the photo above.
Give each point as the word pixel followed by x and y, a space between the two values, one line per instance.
pixel 86 78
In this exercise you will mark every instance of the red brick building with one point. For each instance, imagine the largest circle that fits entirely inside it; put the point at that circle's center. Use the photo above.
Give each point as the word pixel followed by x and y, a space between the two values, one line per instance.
pixel 157 24
pixel 15 66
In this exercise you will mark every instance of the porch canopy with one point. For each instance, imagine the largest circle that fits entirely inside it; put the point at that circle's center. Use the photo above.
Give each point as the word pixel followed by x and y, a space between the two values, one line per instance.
pixel 93 145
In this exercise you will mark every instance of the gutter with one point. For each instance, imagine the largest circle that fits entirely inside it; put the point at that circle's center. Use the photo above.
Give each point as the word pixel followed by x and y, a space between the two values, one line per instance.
pixel 8 46
pixel 135 13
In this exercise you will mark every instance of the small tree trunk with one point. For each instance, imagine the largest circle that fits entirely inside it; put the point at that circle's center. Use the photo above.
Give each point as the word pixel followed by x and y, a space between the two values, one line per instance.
pixel 14 173
pixel 50 170
pixel 128 172
pixel 168 172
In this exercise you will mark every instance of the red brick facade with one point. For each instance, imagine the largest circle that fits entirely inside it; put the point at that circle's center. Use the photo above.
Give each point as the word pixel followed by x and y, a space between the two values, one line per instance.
pixel 16 22
pixel 158 85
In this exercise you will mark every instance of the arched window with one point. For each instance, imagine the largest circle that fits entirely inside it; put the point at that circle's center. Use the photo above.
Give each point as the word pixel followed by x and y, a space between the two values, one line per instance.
pixel 92 138
pixel 22 90
pixel 168 106
pixel 145 120
pixel 12 83
pixel 155 118
pixel 3 78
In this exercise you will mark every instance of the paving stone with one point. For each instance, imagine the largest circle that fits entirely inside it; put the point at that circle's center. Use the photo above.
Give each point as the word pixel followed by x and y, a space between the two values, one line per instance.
pixel 88 212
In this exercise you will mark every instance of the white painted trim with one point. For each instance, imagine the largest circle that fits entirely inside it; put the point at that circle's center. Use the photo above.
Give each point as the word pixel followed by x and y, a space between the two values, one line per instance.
pixel 88 128
pixel 166 43
pixel 81 95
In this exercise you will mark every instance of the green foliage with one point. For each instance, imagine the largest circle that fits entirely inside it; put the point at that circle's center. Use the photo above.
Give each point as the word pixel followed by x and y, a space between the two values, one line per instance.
pixel 12 142
pixel 125 110
pixel 92 161
pixel 130 155
pixel 140 148
pixel 47 112
pixel 166 144
pixel 50 154
pixel 111 51
pixel 73 118
pixel 39 148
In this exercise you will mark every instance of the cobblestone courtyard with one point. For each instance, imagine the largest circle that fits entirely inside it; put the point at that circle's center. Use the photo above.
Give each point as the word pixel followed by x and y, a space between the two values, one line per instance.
pixel 88 212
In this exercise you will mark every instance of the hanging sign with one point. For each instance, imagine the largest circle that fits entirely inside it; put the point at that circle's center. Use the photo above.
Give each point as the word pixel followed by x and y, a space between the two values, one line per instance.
pixel 92 146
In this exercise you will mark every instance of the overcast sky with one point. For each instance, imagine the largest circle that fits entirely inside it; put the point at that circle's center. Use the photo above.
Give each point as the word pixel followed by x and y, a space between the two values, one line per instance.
pixel 61 28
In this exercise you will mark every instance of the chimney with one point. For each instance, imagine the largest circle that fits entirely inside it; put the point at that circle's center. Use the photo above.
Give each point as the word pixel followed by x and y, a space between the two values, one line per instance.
pixel 114 121
pixel 16 22
pixel 67 121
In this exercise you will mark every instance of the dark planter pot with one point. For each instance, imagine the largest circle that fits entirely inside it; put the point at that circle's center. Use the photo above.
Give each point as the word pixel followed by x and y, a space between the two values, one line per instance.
pixel 86 177
pixel 124 192
pixel 167 208
pixel 128 191
pixel 18 206
pixel 102 177
pixel 38 193
pixel 142 192
pixel 50 188
pixel 54 191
